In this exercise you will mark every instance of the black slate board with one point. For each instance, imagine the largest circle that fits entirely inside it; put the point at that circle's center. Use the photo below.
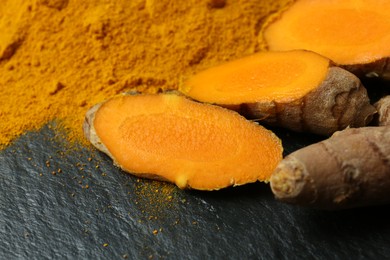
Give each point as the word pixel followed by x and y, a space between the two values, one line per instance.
pixel 47 216
pixel 47 213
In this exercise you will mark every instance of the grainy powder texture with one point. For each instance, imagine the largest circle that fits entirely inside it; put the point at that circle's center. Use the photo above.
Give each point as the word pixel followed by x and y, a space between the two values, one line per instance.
pixel 59 57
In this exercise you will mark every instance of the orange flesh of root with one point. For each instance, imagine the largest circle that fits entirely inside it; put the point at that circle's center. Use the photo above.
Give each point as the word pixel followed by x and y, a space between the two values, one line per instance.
pixel 264 77
pixel 191 144
pixel 348 32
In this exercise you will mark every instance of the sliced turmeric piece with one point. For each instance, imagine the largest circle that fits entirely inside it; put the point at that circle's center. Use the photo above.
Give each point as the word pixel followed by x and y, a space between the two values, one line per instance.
pixel 350 169
pixel 352 33
pixel 298 90
pixel 171 138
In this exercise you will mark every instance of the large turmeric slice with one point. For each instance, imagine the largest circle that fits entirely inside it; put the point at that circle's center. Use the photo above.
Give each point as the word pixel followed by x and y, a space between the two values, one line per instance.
pixel 298 90
pixel 352 33
pixel 168 137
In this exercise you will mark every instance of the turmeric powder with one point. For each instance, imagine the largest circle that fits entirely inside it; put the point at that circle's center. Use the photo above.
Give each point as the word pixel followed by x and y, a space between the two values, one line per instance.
pixel 59 57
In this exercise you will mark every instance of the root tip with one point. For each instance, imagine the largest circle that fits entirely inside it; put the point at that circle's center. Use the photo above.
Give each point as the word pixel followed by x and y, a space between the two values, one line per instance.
pixel 287 182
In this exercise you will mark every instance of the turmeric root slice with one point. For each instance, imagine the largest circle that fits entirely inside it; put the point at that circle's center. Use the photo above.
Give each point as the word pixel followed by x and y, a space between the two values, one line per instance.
pixel 352 33
pixel 298 90
pixel 350 169
pixel 169 137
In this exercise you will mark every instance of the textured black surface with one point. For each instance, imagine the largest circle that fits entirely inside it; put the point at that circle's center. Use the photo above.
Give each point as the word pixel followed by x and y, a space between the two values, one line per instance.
pixel 55 216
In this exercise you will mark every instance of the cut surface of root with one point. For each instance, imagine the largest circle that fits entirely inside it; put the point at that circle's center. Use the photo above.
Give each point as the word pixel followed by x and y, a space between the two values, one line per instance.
pixel 352 33
pixel 171 138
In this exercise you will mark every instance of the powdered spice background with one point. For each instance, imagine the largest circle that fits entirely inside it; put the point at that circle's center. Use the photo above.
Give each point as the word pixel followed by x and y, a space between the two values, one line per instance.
pixel 60 57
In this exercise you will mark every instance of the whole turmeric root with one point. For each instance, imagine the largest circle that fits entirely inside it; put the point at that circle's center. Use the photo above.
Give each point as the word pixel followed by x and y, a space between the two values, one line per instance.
pixel 350 169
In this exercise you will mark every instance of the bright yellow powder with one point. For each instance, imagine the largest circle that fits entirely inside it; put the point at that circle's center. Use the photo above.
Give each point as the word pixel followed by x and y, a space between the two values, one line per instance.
pixel 59 57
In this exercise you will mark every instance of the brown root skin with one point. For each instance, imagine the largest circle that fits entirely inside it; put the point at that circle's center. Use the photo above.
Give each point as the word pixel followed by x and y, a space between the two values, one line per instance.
pixel 350 169
pixel 383 107
pixel 89 130
pixel 340 101
pixel 376 69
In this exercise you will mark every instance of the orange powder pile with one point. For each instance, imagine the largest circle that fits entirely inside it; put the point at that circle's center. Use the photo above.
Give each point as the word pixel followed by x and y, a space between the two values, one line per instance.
pixel 59 57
